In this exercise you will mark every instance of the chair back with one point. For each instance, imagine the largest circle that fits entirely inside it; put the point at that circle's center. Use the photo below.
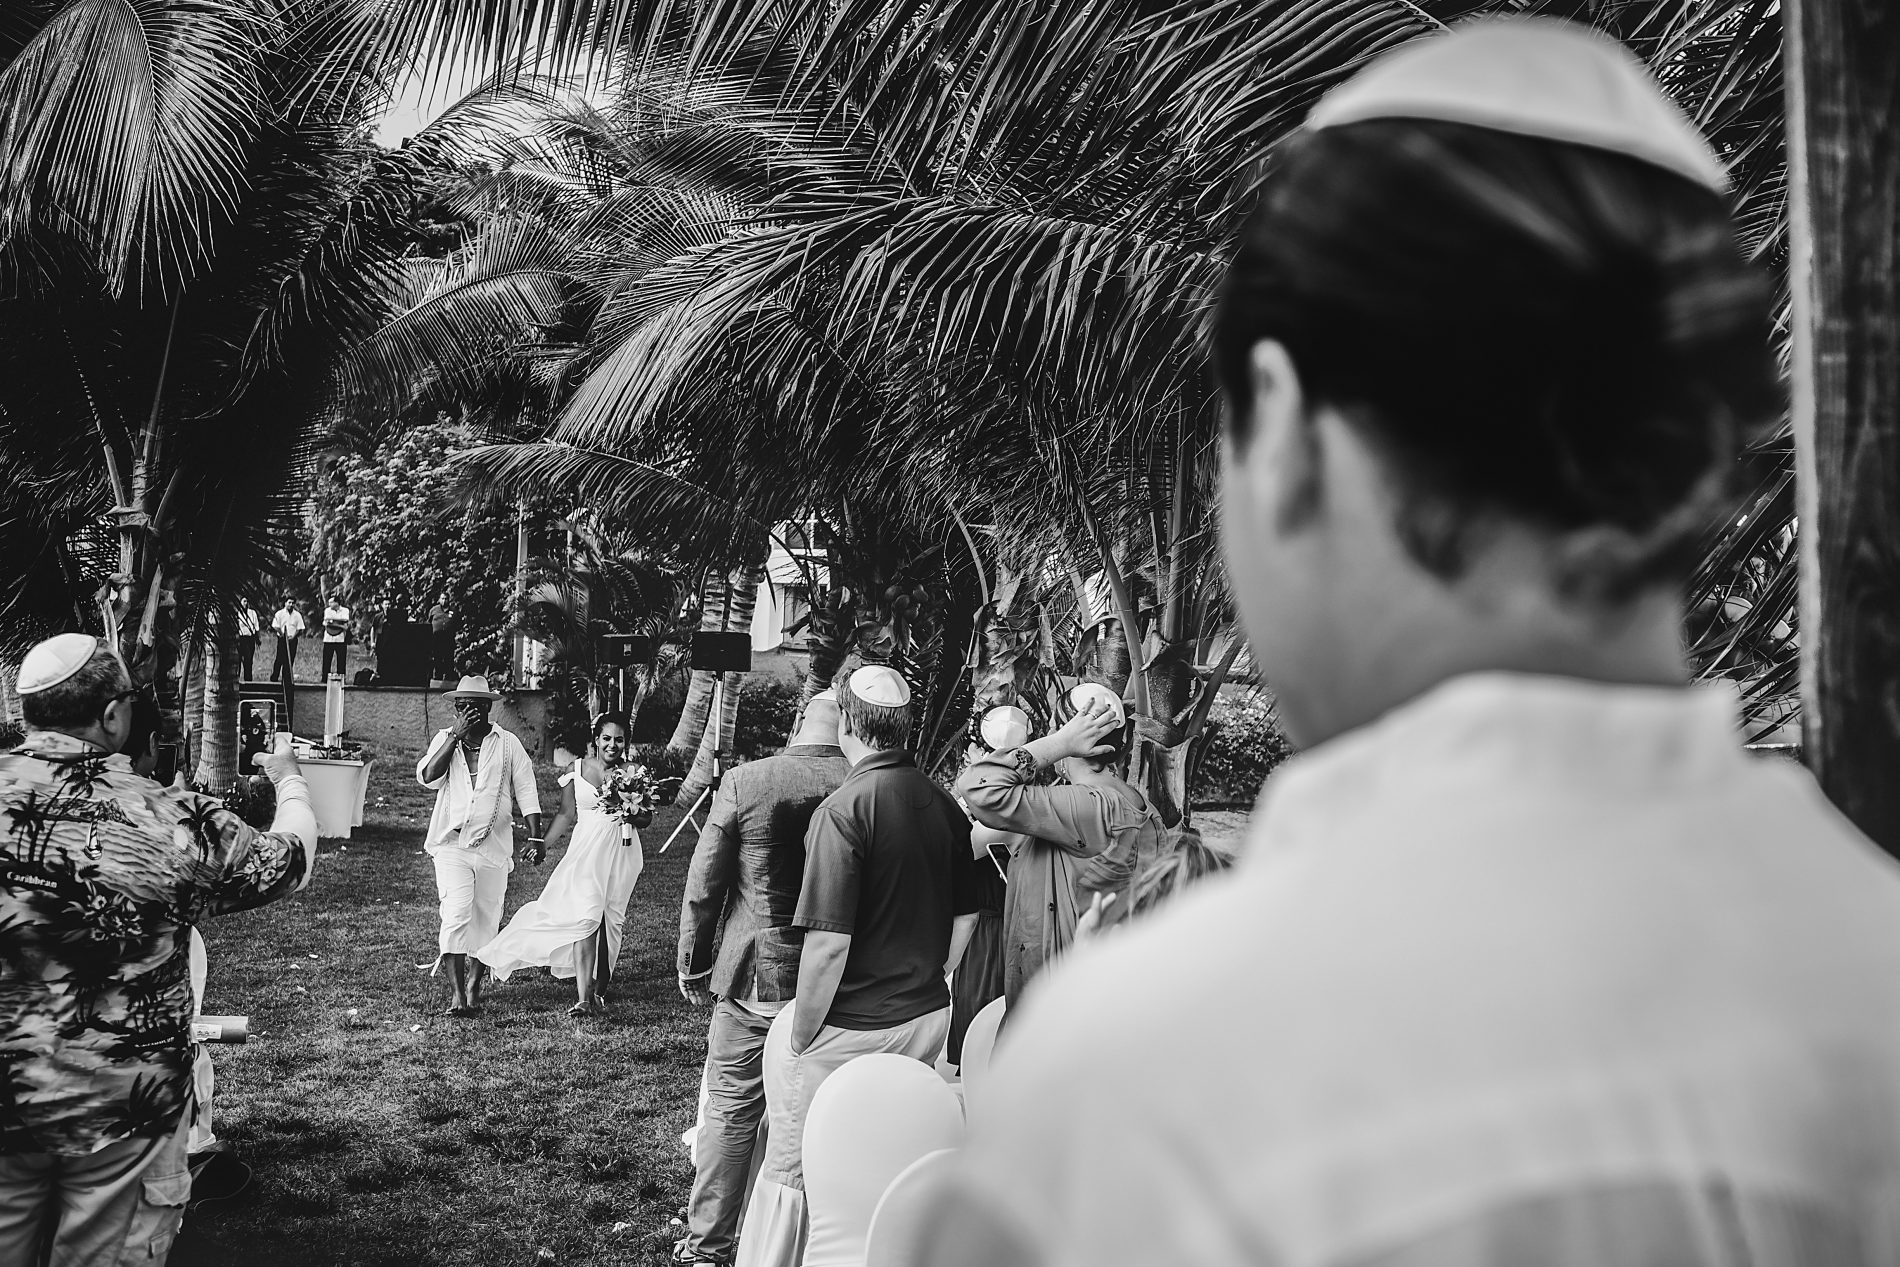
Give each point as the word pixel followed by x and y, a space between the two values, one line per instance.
pixel 897 1225
pixel 979 1043
pixel 868 1122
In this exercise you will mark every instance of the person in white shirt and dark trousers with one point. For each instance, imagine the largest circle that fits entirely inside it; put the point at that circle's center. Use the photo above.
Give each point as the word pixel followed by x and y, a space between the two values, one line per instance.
pixel 336 639
pixel 248 626
pixel 287 624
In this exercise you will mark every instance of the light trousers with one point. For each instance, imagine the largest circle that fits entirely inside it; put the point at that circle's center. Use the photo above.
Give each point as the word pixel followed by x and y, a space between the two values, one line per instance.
pixel 471 890
pixel 121 1205
pixel 776 1222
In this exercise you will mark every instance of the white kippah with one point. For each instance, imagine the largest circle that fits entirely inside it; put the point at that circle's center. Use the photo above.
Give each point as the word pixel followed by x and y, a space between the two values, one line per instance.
pixel 55 660
pixel 1003 727
pixel 876 684
pixel 1082 692
pixel 1538 77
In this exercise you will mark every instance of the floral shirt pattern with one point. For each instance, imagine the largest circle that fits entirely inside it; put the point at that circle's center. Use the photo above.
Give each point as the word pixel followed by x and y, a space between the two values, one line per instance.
pixel 102 875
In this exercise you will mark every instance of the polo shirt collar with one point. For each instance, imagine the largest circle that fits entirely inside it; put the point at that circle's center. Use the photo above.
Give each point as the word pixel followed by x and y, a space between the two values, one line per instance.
pixel 811 750
pixel 889 759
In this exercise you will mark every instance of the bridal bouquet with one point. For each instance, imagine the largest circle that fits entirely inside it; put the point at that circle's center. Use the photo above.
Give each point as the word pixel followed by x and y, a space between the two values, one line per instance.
pixel 630 797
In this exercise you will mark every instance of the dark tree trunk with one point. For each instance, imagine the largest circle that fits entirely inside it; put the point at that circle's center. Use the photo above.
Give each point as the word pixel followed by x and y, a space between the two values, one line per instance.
pixel 1843 63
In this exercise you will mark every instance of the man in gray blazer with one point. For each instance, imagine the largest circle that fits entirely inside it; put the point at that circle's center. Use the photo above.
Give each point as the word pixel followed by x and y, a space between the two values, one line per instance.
pixel 747 870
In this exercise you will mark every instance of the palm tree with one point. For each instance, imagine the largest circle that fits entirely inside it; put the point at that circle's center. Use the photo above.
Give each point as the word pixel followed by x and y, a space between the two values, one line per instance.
pixel 195 227
pixel 951 262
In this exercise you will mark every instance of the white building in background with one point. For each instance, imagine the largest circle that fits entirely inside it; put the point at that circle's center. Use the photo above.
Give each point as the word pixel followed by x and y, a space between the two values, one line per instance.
pixel 796 563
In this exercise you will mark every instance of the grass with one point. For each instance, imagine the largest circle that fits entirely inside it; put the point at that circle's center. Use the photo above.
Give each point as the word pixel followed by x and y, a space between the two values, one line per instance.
pixel 391 1135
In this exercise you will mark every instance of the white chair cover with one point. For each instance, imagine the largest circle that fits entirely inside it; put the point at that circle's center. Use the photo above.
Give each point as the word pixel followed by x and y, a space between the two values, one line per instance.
pixel 896 1235
pixel 868 1122
pixel 979 1043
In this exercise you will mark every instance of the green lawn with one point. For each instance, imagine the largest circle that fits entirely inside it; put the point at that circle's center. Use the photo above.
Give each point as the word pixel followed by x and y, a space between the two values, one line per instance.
pixel 382 1133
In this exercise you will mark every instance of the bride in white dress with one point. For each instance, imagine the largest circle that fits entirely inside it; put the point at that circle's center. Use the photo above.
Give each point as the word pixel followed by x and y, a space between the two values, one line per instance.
pixel 573 928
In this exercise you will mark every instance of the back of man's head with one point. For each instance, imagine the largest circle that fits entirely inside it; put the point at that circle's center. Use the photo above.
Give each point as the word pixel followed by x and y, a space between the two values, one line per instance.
pixel 76 701
pixel 819 725
pixel 874 702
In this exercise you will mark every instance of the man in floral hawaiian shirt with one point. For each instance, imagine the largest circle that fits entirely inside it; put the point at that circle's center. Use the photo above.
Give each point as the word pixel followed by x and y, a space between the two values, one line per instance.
pixel 103 873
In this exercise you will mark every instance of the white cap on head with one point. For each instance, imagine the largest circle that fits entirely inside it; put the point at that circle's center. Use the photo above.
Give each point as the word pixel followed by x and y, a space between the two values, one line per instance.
pixel 1539 77
pixel 1003 727
pixel 880 685
pixel 1083 692
pixel 55 660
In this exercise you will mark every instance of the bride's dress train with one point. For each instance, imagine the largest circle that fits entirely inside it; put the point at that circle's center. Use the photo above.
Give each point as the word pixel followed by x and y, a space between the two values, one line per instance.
pixel 594 881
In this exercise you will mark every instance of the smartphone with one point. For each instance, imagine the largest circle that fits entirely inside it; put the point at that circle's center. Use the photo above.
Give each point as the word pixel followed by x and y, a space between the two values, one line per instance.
pixel 257 730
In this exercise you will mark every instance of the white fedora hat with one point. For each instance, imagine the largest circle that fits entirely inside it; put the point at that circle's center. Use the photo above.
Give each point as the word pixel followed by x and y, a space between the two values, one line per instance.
pixel 473 687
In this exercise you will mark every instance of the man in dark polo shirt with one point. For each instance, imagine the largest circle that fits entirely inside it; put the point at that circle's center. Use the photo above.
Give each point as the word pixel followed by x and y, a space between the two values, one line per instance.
pixel 889 900
pixel 737 945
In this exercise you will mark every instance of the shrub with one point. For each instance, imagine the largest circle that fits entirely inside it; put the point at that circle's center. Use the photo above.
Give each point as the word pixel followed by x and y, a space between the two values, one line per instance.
pixel 660 710
pixel 568 722
pixel 12 734
pixel 1243 744
pixel 661 762
pixel 767 707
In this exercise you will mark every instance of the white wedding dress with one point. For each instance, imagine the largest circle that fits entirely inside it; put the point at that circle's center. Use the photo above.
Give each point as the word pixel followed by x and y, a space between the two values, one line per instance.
pixel 594 880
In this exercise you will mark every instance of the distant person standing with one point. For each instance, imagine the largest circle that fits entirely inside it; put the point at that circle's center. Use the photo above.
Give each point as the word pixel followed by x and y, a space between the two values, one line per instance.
pixel 249 624
pixel 336 638
pixel 888 901
pixel 103 875
pixel 287 624
pixel 442 639
pixel 481 776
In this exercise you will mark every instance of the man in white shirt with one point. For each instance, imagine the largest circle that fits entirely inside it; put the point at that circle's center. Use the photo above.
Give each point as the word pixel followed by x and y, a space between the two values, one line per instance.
pixel 248 627
pixel 336 639
pixel 481 776
pixel 1527 960
pixel 287 624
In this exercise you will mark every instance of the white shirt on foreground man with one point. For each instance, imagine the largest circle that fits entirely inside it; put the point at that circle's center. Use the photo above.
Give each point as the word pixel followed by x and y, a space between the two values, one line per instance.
pixel 1527 963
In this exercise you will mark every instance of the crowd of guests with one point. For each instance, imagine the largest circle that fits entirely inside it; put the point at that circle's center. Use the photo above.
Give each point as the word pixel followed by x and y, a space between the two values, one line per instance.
pixel 1526 959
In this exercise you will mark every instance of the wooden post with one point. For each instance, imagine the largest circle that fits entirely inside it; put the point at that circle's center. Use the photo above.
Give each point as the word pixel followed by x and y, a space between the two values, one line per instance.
pixel 1843 71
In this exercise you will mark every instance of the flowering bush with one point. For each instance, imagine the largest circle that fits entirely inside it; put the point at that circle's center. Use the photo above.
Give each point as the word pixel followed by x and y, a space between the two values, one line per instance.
pixel 393 529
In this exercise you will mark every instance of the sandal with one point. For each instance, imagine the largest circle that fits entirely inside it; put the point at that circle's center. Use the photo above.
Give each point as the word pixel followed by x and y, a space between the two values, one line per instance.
pixel 584 1009
pixel 462 1013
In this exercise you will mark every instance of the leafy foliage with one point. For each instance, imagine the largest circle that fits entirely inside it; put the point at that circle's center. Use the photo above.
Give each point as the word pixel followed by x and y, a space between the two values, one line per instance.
pixel 393 529
pixel 1243 744
pixel 946 266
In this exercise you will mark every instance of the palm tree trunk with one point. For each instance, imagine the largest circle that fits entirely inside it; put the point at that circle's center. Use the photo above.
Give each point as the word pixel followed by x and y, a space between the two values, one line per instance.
pixel 218 749
pixel 715 598
pixel 197 669
pixel 716 735
pixel 1844 114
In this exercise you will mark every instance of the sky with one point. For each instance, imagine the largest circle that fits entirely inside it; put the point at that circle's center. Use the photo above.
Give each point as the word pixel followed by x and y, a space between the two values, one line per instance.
pixel 420 100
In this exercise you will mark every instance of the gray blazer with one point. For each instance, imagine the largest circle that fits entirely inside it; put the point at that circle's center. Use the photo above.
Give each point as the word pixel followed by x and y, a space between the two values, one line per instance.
pixel 747 870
